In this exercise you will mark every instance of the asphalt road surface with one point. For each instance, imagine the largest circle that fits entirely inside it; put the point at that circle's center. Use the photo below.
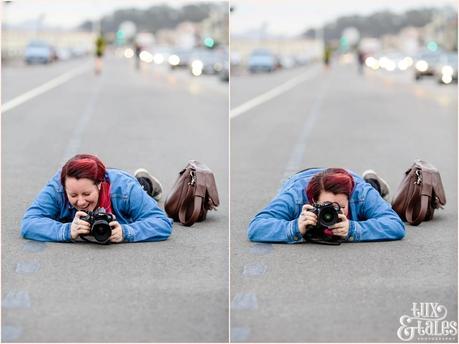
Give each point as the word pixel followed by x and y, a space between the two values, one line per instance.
pixel 357 292
pixel 170 291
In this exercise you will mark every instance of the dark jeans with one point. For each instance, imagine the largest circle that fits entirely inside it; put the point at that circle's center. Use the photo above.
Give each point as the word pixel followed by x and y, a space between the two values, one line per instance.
pixel 374 183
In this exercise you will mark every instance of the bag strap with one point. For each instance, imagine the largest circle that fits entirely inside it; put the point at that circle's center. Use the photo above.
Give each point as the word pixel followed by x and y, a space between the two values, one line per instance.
pixel 426 193
pixel 422 211
pixel 195 193
pixel 196 209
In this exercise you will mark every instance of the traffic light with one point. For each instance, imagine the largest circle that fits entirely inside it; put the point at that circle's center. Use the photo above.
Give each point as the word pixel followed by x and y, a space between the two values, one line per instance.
pixel 432 46
pixel 120 37
pixel 209 42
pixel 344 43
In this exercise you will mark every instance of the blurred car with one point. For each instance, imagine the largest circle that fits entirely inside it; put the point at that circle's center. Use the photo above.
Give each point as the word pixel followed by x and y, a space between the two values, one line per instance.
pixel 301 60
pixel 179 58
pixel 287 61
pixel 39 52
pixel 262 60
pixel 424 64
pixel 205 61
pixel 445 70
pixel 393 61
pixel 63 54
pixel 79 51
pixel 224 74
pixel 160 54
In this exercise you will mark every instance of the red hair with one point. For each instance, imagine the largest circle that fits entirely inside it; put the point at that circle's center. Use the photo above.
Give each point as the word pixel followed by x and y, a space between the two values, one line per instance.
pixel 90 167
pixel 334 180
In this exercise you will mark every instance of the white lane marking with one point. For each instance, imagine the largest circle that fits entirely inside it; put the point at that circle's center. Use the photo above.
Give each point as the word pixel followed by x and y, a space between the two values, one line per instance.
pixel 297 155
pixel 43 88
pixel 273 93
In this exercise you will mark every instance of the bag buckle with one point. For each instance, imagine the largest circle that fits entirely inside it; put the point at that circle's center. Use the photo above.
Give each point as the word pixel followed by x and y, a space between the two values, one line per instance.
pixel 418 177
pixel 193 178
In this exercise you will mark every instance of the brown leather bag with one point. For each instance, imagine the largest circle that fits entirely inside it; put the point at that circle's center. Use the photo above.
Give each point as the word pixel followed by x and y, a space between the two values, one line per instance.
pixel 193 194
pixel 419 194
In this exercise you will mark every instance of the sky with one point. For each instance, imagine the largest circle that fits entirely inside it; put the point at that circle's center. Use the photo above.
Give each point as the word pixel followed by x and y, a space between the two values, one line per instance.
pixel 282 17
pixel 292 17
pixel 69 13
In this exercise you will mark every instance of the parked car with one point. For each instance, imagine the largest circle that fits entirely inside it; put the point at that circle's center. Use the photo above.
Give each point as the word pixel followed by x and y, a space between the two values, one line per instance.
pixel 445 70
pixel 424 64
pixel 39 52
pixel 224 74
pixel 179 58
pixel 205 61
pixel 160 54
pixel 262 60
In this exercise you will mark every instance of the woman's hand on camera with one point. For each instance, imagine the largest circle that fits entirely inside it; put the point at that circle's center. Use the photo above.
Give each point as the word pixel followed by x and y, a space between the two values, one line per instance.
pixel 306 218
pixel 78 226
pixel 117 232
pixel 341 228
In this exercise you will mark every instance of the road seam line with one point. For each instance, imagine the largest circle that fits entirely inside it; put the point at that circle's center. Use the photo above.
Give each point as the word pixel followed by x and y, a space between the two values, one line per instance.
pixel 75 140
pixel 297 155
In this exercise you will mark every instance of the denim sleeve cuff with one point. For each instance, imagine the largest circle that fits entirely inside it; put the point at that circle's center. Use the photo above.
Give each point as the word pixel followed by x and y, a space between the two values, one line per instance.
pixel 294 233
pixel 66 236
pixel 128 233
pixel 354 231
pixel 351 233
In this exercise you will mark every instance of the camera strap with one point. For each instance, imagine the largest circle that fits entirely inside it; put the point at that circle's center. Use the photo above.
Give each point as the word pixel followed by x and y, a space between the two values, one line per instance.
pixel 84 237
pixel 314 236
pixel 324 241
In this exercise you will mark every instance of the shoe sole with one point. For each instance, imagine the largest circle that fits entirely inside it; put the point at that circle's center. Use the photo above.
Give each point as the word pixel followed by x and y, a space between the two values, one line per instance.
pixel 141 172
pixel 370 174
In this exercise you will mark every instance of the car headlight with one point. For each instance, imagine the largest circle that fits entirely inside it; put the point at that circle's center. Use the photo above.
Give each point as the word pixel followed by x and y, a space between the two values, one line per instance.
pixel 145 56
pixel 447 70
pixel 197 64
pixel 446 78
pixel 128 53
pixel 422 65
pixel 158 58
pixel 372 62
pixel 173 60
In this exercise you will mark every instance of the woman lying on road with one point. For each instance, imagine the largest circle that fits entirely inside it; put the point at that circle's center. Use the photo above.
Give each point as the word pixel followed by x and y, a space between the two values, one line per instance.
pixel 363 214
pixel 83 185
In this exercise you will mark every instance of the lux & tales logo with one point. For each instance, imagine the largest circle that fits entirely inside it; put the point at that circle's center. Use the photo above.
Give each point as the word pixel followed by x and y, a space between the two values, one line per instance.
pixel 427 322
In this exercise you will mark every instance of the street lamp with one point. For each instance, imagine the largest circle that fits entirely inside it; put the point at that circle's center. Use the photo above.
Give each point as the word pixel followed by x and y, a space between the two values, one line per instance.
pixel 5 22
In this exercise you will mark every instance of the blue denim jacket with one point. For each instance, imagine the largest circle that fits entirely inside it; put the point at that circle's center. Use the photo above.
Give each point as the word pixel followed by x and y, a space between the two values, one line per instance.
pixel 50 215
pixel 371 217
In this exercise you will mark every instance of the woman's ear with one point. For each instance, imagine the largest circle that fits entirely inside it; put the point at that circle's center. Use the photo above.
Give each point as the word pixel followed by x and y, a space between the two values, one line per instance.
pixel 99 185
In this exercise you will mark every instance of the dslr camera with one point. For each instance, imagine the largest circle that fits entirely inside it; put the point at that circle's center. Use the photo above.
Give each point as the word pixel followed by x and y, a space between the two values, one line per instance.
pixel 327 216
pixel 99 221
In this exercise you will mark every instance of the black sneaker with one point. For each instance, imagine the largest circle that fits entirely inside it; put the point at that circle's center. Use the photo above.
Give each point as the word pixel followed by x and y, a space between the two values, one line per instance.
pixel 150 184
pixel 378 183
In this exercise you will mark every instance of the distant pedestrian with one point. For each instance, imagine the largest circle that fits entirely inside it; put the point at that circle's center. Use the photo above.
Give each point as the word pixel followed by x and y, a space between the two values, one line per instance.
pixel 360 60
pixel 357 203
pixel 100 51
pixel 84 185
pixel 327 56
pixel 137 51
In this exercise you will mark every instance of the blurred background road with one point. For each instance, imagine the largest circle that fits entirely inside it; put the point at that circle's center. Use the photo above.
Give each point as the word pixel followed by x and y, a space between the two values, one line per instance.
pixel 152 116
pixel 382 113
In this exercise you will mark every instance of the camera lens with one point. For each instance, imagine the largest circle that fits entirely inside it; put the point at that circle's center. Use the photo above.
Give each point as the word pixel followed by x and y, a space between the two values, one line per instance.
pixel 328 217
pixel 101 230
